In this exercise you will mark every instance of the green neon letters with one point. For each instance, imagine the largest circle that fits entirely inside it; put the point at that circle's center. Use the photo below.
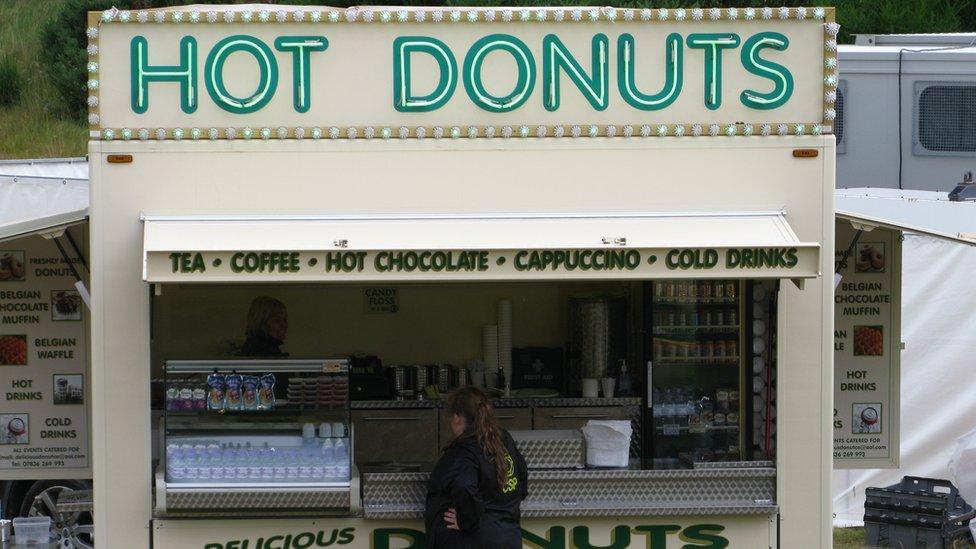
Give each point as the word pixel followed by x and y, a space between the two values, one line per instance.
pixel 556 57
pixel 713 44
pixel 403 98
pixel 524 63
pixel 781 78
pixel 142 73
pixel 301 48
pixel 673 74
pixel 213 74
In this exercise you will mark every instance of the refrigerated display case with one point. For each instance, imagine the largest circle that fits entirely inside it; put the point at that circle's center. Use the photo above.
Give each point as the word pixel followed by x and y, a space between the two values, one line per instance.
pixel 268 437
pixel 698 397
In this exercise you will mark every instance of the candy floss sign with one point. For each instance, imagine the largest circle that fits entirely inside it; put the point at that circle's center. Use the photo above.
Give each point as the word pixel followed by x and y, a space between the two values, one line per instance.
pixel 370 72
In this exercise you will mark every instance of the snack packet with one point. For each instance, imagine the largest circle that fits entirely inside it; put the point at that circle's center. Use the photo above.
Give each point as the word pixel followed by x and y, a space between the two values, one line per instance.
pixel 266 397
pixel 172 398
pixel 250 392
pixel 216 391
pixel 185 398
pixel 234 397
pixel 199 397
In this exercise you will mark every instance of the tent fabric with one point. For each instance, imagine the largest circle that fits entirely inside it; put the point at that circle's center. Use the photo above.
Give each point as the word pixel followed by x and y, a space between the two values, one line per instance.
pixel 29 204
pixel 937 404
pixel 38 195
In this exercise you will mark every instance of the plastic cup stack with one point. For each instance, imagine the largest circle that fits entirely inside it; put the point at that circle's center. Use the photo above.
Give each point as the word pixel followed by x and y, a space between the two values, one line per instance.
pixel 489 342
pixel 505 341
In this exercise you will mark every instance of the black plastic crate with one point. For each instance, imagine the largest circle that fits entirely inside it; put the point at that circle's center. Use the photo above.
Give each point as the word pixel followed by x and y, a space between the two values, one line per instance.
pixel 916 512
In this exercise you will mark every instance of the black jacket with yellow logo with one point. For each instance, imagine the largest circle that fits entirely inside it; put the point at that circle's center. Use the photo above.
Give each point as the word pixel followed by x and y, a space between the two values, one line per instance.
pixel 465 479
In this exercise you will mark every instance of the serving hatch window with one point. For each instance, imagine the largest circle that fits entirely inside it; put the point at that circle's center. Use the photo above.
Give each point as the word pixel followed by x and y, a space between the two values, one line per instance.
pixel 691 363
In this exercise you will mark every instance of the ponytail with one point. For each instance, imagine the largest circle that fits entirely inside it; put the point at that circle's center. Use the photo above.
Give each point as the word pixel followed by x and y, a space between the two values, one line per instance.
pixel 473 405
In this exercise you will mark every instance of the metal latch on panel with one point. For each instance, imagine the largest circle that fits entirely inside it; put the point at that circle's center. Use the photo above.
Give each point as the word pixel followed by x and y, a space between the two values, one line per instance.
pixel 615 240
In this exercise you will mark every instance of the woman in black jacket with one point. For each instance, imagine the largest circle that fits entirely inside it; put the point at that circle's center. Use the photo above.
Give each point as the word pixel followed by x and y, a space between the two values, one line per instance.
pixel 477 486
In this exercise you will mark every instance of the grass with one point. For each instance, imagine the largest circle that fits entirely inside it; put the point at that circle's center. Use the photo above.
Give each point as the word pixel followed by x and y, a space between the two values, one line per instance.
pixel 29 128
pixel 854 538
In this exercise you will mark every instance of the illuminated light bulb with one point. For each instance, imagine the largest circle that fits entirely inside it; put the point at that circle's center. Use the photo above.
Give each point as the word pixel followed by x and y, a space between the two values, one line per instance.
pixel 747 129
pixel 229 17
pixel 696 130
pixel 506 132
pixel 194 17
pixel 767 13
pixel 91 32
pixel 211 17
pixel 472 132
pixel 610 14
pixel 749 14
pixel 830 63
pixel 713 130
pixel 92 101
pixel 160 134
pixel 784 13
pixel 178 134
pixel 628 15
pixel 230 133
pixel 177 16
pixel 782 129
pixel 404 132
pixel 576 15
pixel 282 133
pixel 819 13
pixel 611 130
pixel 490 16
pixel 593 14
pixel 316 133
pixel 507 16
pixel 715 14
pixel 662 130
pixel 731 130
pixel 298 16
pixel 92 67
pixel 195 133
pixel 816 129
pixel 369 132
pixel 351 15
pixel 541 131
pixel 799 129
pixel 247 133
pixel 142 17
pixel 801 13
pixel 593 131
pixel 124 17
pixel 437 16
pixel 646 14
pixel 419 16
pixel 126 134
pixel 108 135
pixel 108 16
pixel 143 134
pixel 489 131
pixel 697 14
pixel 455 16
pixel 246 16
pixel 438 132
pixel 830 114
pixel 765 129
pixel 523 131
pixel 403 16
pixel 628 130
pixel 830 97
pixel 420 132
pixel 212 133
pixel 385 16
pixel 575 131
pixel 367 15
pixel 352 133
pixel 662 14
pixel 831 80
pixel 334 16
pixel 93 84
pixel 525 15
pixel 265 133
pixel 386 133
pixel 832 28
pixel 93 119
pixel 455 132
pixel 559 131
pixel 679 130
pixel 645 130
pixel 333 132
pixel 680 14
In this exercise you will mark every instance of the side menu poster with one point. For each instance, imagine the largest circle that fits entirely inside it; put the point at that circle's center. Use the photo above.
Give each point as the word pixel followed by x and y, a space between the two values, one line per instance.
pixel 43 358
pixel 867 347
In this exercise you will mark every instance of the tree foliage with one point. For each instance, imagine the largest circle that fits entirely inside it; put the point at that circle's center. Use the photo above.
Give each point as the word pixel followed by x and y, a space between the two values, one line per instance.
pixel 64 39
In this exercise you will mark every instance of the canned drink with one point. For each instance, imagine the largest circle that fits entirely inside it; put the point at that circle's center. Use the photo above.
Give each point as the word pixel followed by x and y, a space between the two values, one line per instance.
pixel 693 318
pixel 730 290
pixel 669 289
pixel 671 318
pixel 682 319
pixel 692 289
pixel 732 316
pixel 718 289
pixel 719 418
pixel 733 399
pixel 717 318
pixel 732 418
pixel 706 318
pixel 732 348
pixel 658 289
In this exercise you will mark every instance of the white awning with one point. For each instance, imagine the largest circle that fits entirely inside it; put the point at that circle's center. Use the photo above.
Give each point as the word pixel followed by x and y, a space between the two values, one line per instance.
pixel 36 204
pixel 218 249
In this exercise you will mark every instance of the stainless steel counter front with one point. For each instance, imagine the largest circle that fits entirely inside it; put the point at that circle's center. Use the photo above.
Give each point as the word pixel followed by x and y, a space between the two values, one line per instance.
pixel 499 403
pixel 748 488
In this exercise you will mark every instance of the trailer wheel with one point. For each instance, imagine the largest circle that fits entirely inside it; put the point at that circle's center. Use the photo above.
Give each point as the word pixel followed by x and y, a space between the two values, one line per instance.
pixel 69 530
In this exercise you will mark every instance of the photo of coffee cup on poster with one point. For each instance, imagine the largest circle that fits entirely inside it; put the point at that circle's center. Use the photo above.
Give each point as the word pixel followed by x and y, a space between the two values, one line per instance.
pixel 866 356
pixel 43 359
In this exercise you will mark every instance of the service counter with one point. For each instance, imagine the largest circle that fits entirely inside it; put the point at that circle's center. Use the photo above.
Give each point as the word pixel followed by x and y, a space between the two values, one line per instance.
pixel 398 491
